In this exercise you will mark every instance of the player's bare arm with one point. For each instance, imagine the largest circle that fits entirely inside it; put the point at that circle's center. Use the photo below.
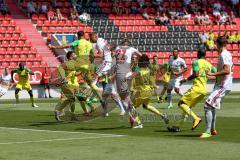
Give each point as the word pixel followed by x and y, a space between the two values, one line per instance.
pixel 60 47
pixel 224 71
pixel 181 72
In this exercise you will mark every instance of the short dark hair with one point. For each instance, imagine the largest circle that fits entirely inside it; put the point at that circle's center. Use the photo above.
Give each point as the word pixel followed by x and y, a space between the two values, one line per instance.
pixel 80 34
pixel 222 41
pixel 155 56
pixel 93 33
pixel 68 55
pixel 126 41
pixel 175 49
pixel 201 53
pixel 143 61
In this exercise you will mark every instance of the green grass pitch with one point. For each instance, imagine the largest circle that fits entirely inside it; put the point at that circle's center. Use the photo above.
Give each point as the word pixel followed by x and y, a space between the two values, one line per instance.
pixel 33 134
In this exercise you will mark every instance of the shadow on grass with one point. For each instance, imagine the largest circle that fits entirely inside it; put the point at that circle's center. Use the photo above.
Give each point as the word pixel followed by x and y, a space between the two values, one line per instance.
pixel 48 123
pixel 102 129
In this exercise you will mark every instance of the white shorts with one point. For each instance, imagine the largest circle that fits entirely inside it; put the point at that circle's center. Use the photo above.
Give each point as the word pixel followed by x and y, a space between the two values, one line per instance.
pixel 109 89
pixel 104 68
pixel 174 83
pixel 3 91
pixel 215 98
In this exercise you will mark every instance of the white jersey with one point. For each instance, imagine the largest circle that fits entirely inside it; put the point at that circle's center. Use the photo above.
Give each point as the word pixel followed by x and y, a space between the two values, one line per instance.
pixel 176 65
pixel 225 81
pixel 5 80
pixel 125 53
pixel 102 46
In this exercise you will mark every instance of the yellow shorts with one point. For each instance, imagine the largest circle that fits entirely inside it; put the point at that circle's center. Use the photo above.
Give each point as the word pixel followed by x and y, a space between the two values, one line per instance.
pixel 191 97
pixel 139 101
pixel 84 68
pixel 67 92
pixel 166 77
pixel 24 86
pixel 141 97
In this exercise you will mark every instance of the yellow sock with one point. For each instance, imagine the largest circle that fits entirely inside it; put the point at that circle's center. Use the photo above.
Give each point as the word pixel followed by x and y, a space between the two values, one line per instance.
pixel 153 110
pixel 188 111
pixel 32 100
pixel 138 120
pixel 17 98
pixel 61 72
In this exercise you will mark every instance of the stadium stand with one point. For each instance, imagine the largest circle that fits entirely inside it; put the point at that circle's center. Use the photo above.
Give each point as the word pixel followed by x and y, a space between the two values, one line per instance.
pixel 181 33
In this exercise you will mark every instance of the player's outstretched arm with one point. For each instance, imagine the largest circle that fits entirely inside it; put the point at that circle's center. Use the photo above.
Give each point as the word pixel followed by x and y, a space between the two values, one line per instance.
pixel 60 47
pixel 12 72
pixel 224 71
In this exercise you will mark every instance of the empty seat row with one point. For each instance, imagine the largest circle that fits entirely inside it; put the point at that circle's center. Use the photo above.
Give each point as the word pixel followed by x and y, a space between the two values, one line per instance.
pixel 18 50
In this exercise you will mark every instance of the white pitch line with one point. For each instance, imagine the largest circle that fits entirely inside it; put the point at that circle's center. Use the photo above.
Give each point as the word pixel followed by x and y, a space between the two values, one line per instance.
pixel 66 139
pixel 38 130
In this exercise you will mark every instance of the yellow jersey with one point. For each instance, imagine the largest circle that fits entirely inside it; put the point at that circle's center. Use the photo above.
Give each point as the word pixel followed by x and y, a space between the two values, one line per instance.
pixel 210 43
pixel 143 81
pixel 23 75
pixel 83 49
pixel 200 82
pixel 70 73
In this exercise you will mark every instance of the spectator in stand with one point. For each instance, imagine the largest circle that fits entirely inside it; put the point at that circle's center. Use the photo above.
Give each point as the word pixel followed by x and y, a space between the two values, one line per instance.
pixel 59 15
pixel 134 9
pixel 73 14
pixel 164 19
pixel 187 2
pixel 211 35
pixel 233 38
pixel 116 9
pixel 31 8
pixel 158 19
pixel 157 3
pixel 4 8
pixel 141 3
pixel 206 20
pixel 51 14
pixel 183 15
pixel 217 8
pixel 43 8
pixel 232 18
pixel 54 3
pixel 146 15
pixel 198 20
pixel 235 4
pixel 45 81
pixel 223 19
pixel 210 44
pixel 203 36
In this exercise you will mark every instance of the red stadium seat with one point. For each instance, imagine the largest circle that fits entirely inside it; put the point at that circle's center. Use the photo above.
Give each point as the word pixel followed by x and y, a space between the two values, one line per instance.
pixel 5 64
pixel 15 58
pixel 13 65
pixel 23 57
pixel 29 64
pixel 10 51
pixel 2 50
pixel 36 64
pixel 7 57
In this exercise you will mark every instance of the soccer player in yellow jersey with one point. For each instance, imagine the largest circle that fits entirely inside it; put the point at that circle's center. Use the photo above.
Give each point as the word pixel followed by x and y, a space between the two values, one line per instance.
pixel 23 82
pixel 68 91
pixel 198 90
pixel 85 54
pixel 143 87
pixel 165 72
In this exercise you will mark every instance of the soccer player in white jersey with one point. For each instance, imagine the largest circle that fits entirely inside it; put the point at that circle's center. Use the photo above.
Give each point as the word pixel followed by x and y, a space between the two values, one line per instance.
pixel 123 70
pixel 223 86
pixel 106 50
pixel 177 67
pixel 103 48
pixel 5 82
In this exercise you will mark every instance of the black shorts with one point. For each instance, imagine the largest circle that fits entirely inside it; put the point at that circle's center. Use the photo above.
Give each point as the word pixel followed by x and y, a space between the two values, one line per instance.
pixel 46 86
